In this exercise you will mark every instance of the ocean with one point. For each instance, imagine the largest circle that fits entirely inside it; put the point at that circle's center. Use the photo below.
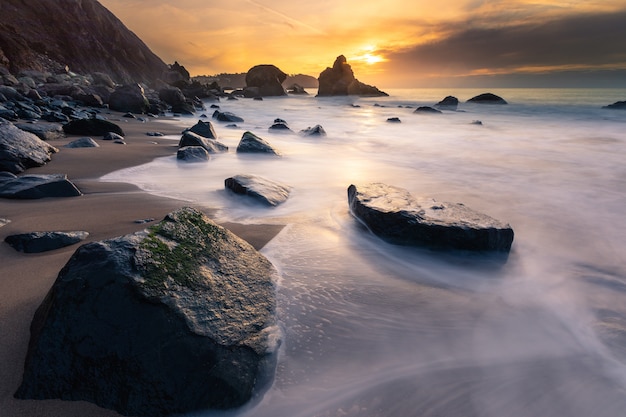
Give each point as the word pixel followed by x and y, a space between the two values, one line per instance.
pixel 374 329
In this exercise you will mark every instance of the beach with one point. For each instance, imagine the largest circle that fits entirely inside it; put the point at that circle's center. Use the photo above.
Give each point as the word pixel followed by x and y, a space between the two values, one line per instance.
pixel 105 210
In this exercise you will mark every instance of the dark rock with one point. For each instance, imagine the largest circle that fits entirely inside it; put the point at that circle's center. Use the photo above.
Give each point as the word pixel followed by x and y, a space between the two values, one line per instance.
pixel 226 117
pixel 83 143
pixel 55 117
pixel 316 130
pixel 44 131
pixel 427 110
pixel 11 93
pixel 129 115
pixel 297 90
pixel 129 98
pixel 267 79
pixel 448 103
pixel 177 318
pixel 252 143
pixel 90 99
pixel 487 98
pixel 103 79
pixel 280 127
pixel 340 81
pixel 119 141
pixel 204 129
pixel 143 221
pixel 394 120
pixel 20 150
pixel 112 136
pixel 154 134
pixel 266 191
pixel 175 98
pixel 36 242
pixel 7 114
pixel 192 154
pixel 27 114
pixel 210 145
pixel 618 105
pixel 214 106
pixel 396 216
pixel 257 98
pixel 28 187
pixel 477 122
pixel 91 127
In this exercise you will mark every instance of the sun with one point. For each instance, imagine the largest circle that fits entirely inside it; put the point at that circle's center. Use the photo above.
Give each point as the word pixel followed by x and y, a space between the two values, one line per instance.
pixel 368 55
pixel 372 59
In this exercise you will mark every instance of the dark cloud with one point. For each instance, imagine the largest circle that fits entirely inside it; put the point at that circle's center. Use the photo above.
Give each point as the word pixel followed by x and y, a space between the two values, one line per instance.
pixel 588 41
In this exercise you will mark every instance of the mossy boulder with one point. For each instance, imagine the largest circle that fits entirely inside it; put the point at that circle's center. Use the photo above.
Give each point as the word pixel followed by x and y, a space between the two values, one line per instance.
pixel 176 318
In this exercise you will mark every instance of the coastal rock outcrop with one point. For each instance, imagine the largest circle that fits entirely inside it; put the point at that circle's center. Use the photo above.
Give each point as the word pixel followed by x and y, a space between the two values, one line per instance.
pixel 176 318
pixel 269 192
pixel 129 98
pixel 266 80
pixel 35 242
pixel 393 214
pixel 340 81
pixel 20 150
pixel 251 143
pixel 487 98
pixel 30 187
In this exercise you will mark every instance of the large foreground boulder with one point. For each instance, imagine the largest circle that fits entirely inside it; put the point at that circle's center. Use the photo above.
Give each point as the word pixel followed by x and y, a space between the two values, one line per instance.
pixel 176 318
pixel 267 80
pixel 92 127
pixel 396 216
pixel 35 242
pixel 266 191
pixel 129 98
pixel 340 81
pixel 20 150
pixel 31 187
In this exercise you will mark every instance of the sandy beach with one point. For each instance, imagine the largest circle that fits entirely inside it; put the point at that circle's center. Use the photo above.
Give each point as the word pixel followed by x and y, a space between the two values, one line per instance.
pixel 105 210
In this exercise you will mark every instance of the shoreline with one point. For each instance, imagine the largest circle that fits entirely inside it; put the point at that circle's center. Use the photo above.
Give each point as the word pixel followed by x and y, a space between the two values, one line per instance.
pixel 105 210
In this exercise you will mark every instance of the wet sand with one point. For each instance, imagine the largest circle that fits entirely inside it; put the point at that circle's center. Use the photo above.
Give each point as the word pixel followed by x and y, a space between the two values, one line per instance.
pixel 105 210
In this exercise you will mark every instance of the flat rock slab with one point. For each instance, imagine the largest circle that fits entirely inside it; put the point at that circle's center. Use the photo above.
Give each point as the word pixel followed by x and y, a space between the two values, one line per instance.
pixel 20 150
pixel 35 242
pixel 262 189
pixel 393 214
pixel 30 187
pixel 179 317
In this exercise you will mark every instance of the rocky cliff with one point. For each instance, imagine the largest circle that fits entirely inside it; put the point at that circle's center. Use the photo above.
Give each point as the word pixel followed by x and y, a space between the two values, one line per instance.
pixel 47 35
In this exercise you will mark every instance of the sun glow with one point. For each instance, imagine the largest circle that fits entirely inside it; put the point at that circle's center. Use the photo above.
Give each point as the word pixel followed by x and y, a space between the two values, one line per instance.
pixel 367 55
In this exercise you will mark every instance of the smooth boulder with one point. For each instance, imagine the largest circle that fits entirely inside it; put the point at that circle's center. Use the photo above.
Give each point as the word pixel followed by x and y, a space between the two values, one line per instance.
pixel 29 187
pixel 226 117
pixel 393 214
pixel 487 98
pixel 85 142
pixel 204 129
pixel 448 103
pixel 129 98
pixel 192 154
pixel 251 143
pixel 35 242
pixel 266 191
pixel 427 110
pixel 20 150
pixel 176 318
pixel 192 139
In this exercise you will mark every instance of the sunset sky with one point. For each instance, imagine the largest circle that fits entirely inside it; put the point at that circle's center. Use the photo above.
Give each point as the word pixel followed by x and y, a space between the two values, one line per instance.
pixel 394 43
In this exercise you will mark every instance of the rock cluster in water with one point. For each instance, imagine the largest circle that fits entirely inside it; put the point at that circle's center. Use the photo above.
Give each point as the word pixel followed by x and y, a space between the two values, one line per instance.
pixel 340 81
pixel 176 318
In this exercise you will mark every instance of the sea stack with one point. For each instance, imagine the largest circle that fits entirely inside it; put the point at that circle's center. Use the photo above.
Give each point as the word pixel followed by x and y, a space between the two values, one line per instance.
pixel 340 81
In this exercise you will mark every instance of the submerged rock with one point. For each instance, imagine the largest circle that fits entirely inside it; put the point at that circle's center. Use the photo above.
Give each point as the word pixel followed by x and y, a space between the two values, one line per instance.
pixel 192 154
pixel 35 242
pixel 30 187
pixel 618 105
pixel 20 150
pixel 448 103
pixel 393 214
pixel 176 318
pixel 394 120
pixel 251 143
pixel 487 98
pixel 316 130
pixel 427 110
pixel 226 117
pixel 262 189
